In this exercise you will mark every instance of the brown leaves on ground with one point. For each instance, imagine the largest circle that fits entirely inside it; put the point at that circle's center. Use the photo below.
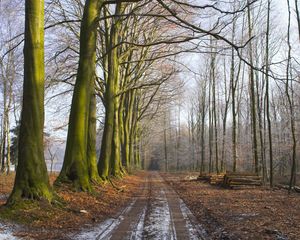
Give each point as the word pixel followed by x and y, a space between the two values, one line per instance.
pixel 241 214
pixel 80 209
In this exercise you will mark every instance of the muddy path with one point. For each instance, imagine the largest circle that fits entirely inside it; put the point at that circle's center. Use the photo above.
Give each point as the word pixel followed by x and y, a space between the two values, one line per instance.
pixel 155 213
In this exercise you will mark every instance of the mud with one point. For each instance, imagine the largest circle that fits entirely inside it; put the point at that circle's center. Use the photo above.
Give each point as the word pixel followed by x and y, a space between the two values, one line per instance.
pixel 156 213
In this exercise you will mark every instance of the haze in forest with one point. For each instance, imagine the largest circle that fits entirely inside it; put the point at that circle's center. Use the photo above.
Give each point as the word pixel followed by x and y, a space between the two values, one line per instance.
pixel 143 119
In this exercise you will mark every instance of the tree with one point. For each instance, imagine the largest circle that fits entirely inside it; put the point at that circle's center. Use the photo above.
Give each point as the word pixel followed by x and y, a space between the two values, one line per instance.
pixel 75 166
pixel 268 96
pixel 91 142
pixel 111 105
pixel 31 177
pixel 252 95
pixel 289 94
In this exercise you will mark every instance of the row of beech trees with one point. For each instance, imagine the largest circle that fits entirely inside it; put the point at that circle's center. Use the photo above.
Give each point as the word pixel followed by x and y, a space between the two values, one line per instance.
pixel 124 54
pixel 121 61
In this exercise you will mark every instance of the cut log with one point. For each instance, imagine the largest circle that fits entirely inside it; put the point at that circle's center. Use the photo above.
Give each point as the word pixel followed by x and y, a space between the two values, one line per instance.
pixel 243 177
pixel 240 180
pixel 244 184
pixel 240 174
pixel 243 180
pixel 217 179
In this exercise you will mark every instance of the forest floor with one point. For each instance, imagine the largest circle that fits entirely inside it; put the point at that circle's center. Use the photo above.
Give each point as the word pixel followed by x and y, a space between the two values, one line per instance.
pixel 259 213
pixel 80 210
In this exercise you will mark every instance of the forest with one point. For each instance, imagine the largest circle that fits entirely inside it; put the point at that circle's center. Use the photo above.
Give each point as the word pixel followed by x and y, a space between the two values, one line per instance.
pixel 140 119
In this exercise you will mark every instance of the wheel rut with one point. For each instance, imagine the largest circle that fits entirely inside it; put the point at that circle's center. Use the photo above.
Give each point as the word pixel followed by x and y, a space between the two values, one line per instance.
pixel 156 213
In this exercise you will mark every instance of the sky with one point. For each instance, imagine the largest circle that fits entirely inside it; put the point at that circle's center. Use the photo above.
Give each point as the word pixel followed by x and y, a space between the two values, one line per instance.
pixel 193 61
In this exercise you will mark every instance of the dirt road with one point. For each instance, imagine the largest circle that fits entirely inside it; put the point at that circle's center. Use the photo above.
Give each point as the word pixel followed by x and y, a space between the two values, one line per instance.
pixel 155 213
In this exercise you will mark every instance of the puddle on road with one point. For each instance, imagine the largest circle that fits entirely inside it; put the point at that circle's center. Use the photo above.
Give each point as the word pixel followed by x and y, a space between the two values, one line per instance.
pixel 6 233
pixel 158 225
pixel 196 230
pixel 154 222
pixel 137 233
pixel 105 229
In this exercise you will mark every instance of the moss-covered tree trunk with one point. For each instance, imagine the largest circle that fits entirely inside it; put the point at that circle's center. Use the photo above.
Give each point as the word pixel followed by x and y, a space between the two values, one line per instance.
pixel 31 177
pixel 109 159
pixel 135 132
pixel 116 147
pixel 116 141
pixel 125 146
pixel 127 128
pixel 121 128
pixel 137 148
pixel 75 166
pixel 91 143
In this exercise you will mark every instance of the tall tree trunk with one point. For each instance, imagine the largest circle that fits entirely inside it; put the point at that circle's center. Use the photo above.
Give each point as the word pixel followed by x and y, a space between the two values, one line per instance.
pixel 233 85
pixel 121 129
pixel 91 142
pixel 227 99
pixel 252 96
pixel 214 109
pixel 8 155
pixel 3 145
pixel 233 107
pixel 203 113
pixel 4 126
pixel 165 142
pixel 31 177
pixel 288 86
pixel 75 166
pixel 116 147
pixel 210 129
pixel 127 127
pixel 269 125
pixel 116 144
pixel 178 140
pixel 298 17
pixel 10 98
pixel 110 152
pixel 195 164
pixel 134 129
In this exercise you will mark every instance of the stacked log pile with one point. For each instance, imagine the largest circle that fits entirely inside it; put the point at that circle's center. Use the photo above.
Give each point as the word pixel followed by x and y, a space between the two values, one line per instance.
pixel 213 179
pixel 217 179
pixel 241 180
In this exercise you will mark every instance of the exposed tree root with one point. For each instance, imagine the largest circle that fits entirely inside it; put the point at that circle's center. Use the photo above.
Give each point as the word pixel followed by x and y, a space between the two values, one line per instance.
pixel 116 187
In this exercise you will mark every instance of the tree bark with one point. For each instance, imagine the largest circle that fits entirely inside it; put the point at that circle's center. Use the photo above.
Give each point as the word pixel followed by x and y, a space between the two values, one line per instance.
pixel 116 144
pixel 91 143
pixel 31 177
pixel 110 156
pixel 269 125
pixel 165 142
pixel 252 96
pixel 289 86
pixel 75 166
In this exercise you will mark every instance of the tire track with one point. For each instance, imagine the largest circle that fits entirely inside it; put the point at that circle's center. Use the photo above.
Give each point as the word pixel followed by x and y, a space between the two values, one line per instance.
pixel 157 213
pixel 129 228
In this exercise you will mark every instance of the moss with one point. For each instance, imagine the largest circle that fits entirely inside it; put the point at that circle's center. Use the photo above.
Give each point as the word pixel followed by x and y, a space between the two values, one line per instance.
pixel 75 167
pixel 32 180
pixel 91 143
pixel 109 160
pixel 22 212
